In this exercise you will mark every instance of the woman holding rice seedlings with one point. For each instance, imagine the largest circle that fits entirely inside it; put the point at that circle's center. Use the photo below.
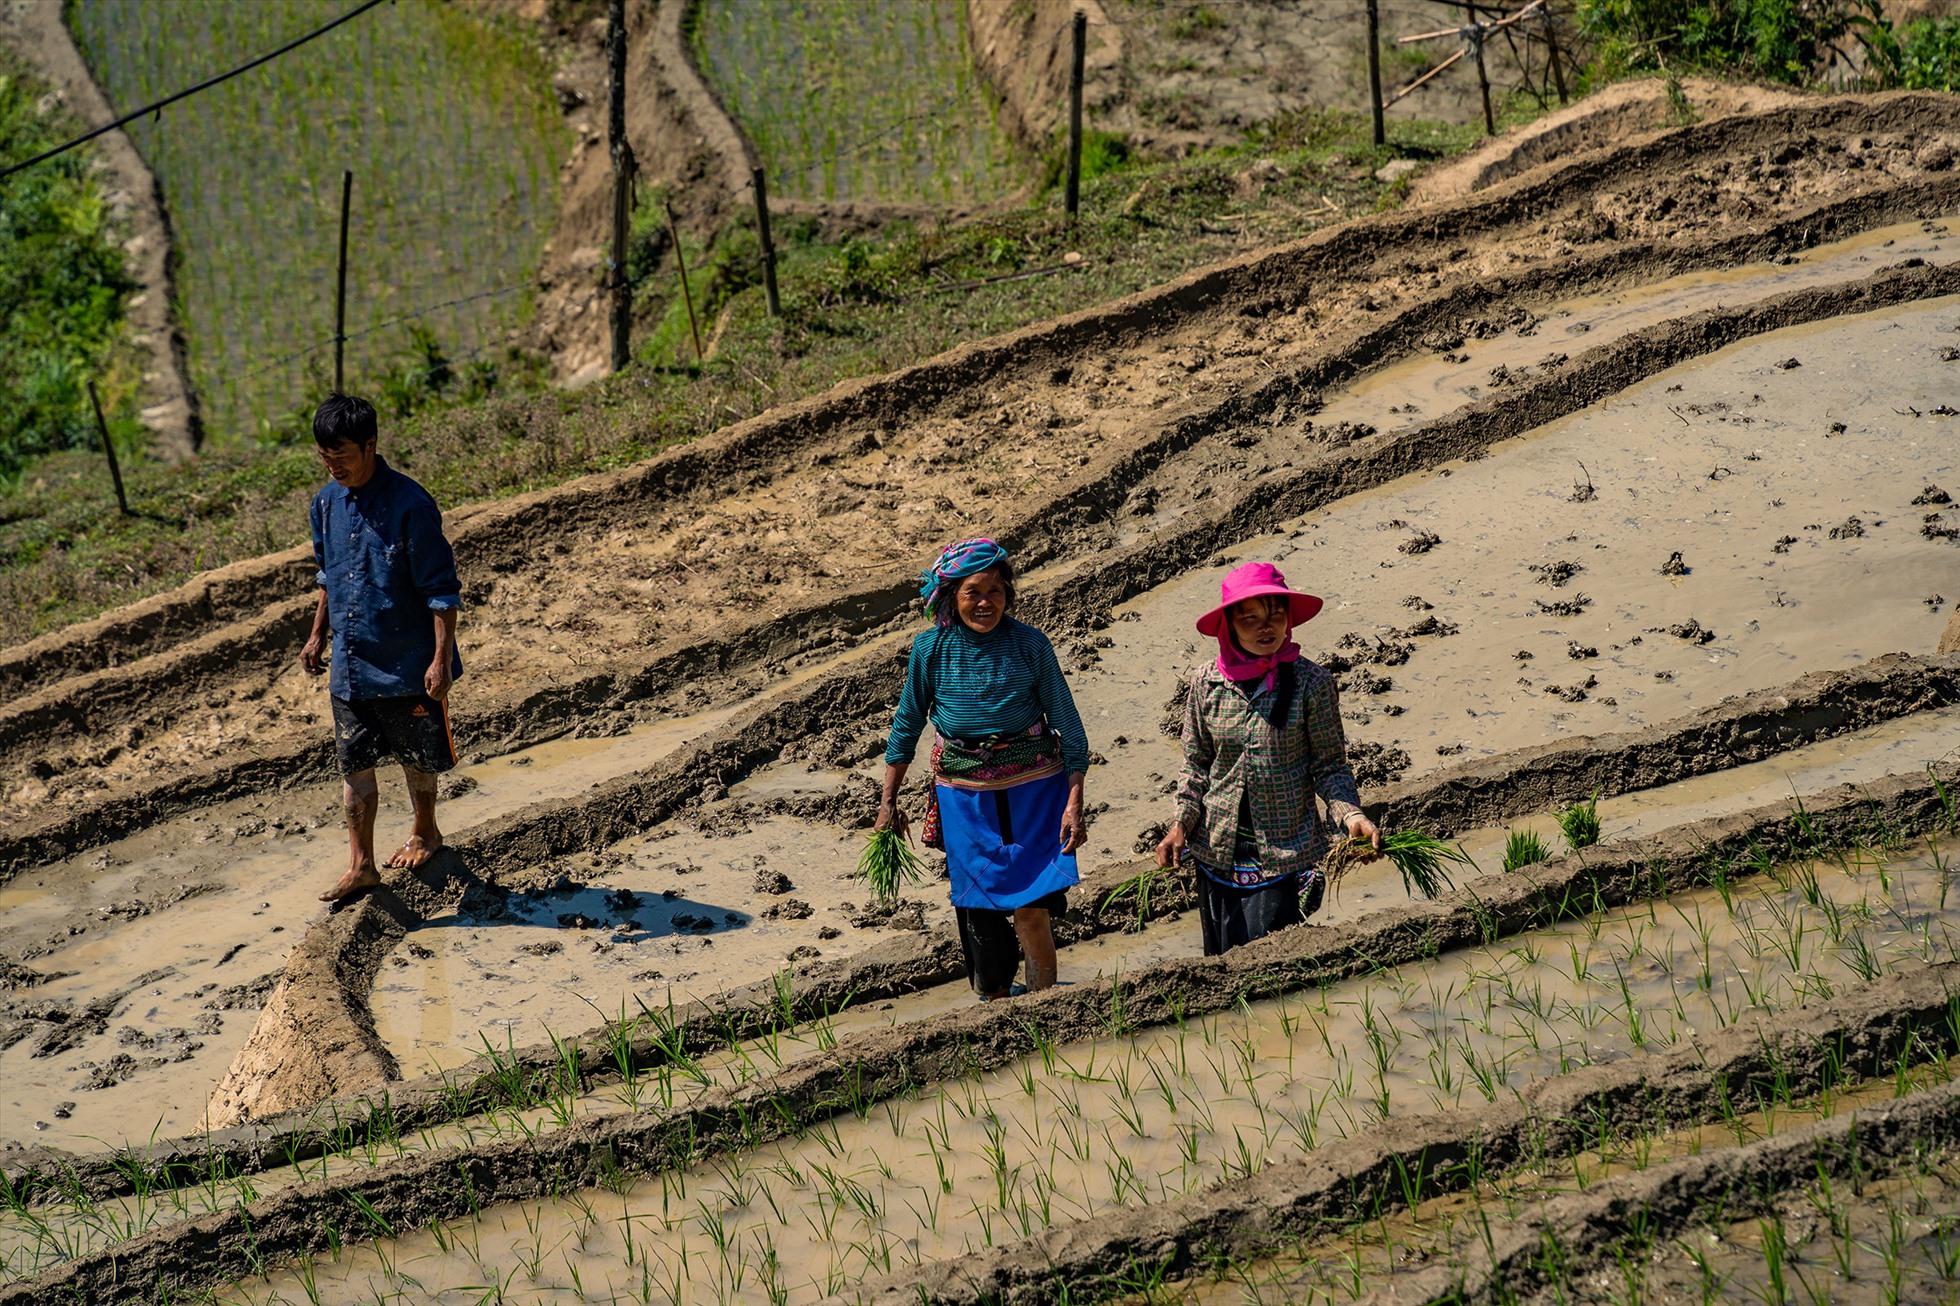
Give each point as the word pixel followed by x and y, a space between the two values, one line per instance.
pixel 1006 798
pixel 1262 736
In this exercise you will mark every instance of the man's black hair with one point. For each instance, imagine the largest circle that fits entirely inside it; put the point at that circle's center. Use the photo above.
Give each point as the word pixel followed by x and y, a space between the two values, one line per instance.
pixel 946 603
pixel 344 419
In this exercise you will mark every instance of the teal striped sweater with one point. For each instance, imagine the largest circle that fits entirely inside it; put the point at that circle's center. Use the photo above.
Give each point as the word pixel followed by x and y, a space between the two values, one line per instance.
pixel 973 685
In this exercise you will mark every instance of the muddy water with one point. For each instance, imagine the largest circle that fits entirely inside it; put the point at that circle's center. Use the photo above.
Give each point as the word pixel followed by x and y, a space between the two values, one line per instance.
pixel 1151 1116
pixel 1422 389
pixel 1896 1240
pixel 670 912
pixel 1898 747
pixel 155 941
pixel 1720 459
pixel 1836 1244
pixel 1730 461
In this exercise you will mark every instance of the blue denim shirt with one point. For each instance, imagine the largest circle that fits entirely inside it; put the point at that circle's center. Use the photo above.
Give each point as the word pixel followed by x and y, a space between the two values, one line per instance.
pixel 385 566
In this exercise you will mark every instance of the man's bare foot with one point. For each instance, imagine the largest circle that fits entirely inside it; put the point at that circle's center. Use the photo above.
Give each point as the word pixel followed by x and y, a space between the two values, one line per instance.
pixel 415 851
pixel 357 878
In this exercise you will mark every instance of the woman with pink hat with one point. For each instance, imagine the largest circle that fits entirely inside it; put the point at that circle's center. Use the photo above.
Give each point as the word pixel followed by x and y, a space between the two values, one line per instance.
pixel 1262 736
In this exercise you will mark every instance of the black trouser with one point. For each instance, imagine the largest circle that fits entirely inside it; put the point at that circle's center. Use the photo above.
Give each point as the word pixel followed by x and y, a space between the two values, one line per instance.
pixel 1233 916
pixel 993 950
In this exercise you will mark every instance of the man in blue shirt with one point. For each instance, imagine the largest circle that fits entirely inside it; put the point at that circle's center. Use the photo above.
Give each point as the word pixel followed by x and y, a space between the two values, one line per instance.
pixel 389 595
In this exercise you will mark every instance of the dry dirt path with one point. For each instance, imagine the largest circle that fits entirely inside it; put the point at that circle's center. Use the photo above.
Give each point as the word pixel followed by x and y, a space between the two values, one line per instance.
pixel 637 594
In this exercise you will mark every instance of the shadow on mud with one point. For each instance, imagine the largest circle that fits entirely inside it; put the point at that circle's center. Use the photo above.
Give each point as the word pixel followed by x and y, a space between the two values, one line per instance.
pixel 626 915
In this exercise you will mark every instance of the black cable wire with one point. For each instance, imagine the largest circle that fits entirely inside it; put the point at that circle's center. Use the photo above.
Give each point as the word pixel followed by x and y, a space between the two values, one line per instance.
pixel 206 84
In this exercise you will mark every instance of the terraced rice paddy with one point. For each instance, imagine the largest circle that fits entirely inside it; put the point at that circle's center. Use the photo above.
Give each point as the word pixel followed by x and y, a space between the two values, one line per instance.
pixel 875 99
pixel 1746 988
pixel 448 126
pixel 1152 1116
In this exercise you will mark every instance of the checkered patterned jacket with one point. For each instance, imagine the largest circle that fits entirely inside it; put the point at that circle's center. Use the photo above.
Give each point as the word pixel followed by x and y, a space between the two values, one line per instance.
pixel 1236 763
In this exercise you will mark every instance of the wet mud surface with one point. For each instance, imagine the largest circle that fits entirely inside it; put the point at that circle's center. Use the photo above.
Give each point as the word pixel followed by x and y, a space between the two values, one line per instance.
pixel 979 1038
pixel 614 957
pixel 861 495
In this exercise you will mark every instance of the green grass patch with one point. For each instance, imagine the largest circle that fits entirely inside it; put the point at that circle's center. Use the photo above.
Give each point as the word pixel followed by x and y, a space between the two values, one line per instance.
pixel 62 288
pixel 448 124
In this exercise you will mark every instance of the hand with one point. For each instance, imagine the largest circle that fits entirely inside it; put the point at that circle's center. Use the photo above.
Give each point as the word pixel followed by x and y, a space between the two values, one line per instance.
pixel 436 680
pixel 309 654
pixel 1171 847
pixel 1360 827
pixel 889 817
pixel 1074 828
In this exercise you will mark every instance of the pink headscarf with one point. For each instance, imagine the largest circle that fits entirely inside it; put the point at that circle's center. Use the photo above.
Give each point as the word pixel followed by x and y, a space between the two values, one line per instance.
pixel 1254 580
pixel 1234 664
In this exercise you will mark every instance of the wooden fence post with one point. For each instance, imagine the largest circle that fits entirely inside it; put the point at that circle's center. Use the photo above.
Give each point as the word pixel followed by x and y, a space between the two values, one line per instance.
pixel 1375 71
pixel 1475 31
pixel 1551 42
pixel 108 449
pixel 1079 39
pixel 339 296
pixel 622 169
pixel 687 295
pixel 768 245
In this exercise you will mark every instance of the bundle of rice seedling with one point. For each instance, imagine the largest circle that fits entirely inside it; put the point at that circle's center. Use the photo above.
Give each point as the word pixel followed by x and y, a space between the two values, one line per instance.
pixel 1580 822
pixel 889 864
pixel 1421 858
pixel 1524 848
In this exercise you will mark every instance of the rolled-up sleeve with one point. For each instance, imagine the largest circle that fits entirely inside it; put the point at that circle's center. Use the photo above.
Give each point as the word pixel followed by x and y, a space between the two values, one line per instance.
pixel 432 563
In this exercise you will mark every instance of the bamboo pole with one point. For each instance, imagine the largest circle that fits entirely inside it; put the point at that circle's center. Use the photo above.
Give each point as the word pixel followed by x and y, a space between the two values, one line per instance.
pixel 1375 71
pixel 687 295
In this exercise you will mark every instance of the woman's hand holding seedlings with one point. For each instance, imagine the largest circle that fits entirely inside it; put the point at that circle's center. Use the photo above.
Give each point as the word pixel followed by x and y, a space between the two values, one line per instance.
pixel 1360 827
pixel 1171 846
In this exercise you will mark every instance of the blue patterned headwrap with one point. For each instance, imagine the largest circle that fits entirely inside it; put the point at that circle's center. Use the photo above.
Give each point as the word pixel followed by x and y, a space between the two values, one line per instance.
pixel 962 559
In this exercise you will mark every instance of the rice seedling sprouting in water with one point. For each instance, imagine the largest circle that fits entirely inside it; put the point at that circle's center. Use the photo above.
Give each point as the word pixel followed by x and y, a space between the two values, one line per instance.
pixel 889 864
pixel 1421 858
pixel 1580 822
pixel 1524 848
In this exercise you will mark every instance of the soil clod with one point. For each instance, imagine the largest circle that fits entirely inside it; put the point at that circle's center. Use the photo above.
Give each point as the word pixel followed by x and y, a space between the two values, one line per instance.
pixel 1555 574
pixel 1421 542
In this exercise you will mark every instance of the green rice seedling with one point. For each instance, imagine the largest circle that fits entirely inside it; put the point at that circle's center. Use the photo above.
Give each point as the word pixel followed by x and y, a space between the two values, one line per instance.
pixel 1422 859
pixel 1524 848
pixel 1580 823
pixel 1142 887
pixel 888 864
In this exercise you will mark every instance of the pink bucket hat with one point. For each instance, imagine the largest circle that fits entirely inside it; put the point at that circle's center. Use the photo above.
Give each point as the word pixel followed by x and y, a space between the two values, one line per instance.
pixel 1249 582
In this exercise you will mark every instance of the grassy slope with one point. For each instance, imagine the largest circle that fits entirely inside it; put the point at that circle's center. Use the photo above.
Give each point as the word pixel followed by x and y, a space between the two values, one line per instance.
pixel 849 310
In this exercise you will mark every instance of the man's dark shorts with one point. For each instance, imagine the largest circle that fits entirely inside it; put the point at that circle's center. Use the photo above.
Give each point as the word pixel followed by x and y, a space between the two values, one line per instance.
pixel 414 729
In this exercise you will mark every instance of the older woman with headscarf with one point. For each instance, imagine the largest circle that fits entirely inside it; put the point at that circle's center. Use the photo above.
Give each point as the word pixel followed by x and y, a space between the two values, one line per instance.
pixel 1262 736
pixel 1006 798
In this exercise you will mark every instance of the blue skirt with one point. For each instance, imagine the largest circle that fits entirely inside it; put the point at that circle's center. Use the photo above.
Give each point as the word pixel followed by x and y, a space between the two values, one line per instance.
pixel 1004 846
